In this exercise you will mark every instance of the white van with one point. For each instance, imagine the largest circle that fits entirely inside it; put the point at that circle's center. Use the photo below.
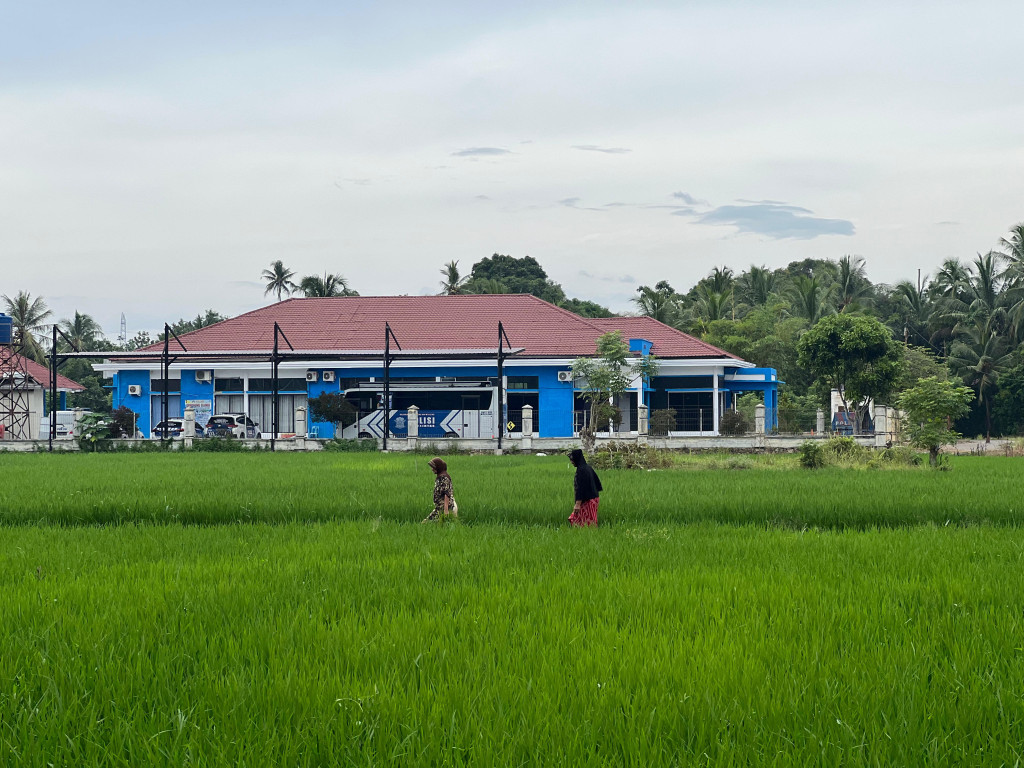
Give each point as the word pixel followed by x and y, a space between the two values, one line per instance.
pixel 65 425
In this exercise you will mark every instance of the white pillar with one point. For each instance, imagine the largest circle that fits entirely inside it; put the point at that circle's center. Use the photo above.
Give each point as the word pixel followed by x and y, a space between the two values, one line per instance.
pixel 881 427
pixel 714 403
pixel 642 424
pixel 414 422
pixel 759 418
pixel 819 423
pixel 300 422
pixel 413 426
pixel 527 440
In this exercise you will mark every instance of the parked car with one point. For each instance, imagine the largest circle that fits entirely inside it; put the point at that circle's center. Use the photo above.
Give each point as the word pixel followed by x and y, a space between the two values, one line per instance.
pixel 173 428
pixel 232 425
pixel 65 424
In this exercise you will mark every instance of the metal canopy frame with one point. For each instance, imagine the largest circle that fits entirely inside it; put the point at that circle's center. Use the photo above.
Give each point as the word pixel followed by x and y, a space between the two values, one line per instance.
pixel 276 356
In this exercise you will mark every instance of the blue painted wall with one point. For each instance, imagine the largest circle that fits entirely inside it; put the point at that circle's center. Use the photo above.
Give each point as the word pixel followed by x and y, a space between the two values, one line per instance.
pixel 319 387
pixel 138 403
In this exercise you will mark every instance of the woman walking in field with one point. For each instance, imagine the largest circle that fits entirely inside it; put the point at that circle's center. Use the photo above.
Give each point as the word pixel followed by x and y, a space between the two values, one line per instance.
pixel 587 486
pixel 444 502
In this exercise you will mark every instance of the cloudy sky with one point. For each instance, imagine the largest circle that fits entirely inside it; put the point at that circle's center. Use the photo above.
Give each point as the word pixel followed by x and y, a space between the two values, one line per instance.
pixel 154 158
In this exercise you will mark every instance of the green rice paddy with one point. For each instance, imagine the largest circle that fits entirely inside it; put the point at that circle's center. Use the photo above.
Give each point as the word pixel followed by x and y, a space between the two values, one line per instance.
pixel 249 610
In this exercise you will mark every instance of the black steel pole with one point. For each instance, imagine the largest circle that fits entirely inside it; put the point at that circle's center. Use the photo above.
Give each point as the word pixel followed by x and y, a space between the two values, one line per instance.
pixel 166 364
pixel 53 389
pixel 387 384
pixel 501 385
pixel 274 361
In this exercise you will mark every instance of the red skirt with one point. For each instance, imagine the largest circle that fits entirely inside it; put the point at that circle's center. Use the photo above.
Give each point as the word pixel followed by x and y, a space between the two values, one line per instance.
pixel 587 514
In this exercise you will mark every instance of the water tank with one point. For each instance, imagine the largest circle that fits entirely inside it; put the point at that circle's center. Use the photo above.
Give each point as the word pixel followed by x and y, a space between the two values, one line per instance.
pixel 6 330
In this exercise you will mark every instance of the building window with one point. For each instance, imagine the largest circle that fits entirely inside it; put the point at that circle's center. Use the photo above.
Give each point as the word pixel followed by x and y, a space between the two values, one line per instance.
pixel 523 382
pixel 157 385
pixel 228 385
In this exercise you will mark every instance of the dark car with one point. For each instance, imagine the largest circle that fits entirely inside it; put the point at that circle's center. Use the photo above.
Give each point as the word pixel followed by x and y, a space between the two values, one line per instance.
pixel 172 428
pixel 232 425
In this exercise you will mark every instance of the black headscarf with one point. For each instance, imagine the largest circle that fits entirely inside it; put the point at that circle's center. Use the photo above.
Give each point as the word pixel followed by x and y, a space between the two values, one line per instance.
pixel 576 457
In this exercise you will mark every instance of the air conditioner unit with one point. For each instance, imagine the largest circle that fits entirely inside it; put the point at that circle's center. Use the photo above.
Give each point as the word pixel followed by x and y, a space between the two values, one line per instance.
pixel 328 375
pixel 311 376
pixel 134 389
pixel 565 375
pixel 204 375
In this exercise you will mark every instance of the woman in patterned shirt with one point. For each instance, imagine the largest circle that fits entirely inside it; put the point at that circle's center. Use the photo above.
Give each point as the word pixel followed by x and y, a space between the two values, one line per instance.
pixel 444 502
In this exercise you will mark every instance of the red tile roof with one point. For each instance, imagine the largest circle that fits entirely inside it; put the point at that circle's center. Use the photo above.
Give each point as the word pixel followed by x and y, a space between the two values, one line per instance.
pixel 356 323
pixel 41 375
pixel 667 341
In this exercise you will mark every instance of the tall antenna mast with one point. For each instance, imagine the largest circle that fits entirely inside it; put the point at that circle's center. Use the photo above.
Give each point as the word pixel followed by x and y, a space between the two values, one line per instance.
pixel 123 336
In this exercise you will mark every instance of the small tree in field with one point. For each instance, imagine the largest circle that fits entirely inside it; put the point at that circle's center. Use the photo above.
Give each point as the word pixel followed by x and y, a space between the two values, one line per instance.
pixel 931 406
pixel 856 356
pixel 333 408
pixel 605 377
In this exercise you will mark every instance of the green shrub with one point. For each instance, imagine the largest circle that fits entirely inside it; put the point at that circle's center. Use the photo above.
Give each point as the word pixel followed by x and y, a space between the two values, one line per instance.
pixel 662 421
pixel 350 446
pixel 629 456
pixel 733 423
pixel 219 445
pixel 812 455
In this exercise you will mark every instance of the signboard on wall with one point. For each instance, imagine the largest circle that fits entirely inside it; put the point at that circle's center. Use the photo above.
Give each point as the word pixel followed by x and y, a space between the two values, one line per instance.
pixel 203 409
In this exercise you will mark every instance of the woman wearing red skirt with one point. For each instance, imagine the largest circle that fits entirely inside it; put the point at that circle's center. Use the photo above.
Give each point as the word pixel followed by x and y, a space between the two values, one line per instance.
pixel 587 485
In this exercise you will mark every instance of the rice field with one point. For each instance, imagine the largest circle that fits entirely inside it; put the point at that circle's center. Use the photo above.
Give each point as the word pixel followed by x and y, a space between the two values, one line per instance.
pixel 216 628
pixel 212 488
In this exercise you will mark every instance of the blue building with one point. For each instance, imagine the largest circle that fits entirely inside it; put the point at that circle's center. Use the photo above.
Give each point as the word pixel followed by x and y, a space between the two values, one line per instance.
pixel 444 360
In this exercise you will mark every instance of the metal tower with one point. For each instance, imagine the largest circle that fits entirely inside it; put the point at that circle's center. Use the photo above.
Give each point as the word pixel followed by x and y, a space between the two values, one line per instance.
pixel 15 390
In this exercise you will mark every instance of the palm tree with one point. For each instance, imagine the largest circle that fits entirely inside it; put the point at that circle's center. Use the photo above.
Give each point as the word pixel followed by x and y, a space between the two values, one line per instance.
pixel 1013 246
pixel 325 287
pixel 661 305
pixel 82 331
pixel 852 286
pixel 453 283
pixel 952 278
pixel 758 285
pixel 29 316
pixel 810 299
pixel 711 305
pixel 914 307
pixel 979 356
pixel 279 279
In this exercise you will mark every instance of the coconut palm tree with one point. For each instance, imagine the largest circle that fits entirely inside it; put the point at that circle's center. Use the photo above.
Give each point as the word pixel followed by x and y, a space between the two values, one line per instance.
pixel 485 285
pixel 453 283
pixel 30 321
pixel 758 285
pixel 663 306
pixel 979 356
pixel 852 287
pixel 325 287
pixel 82 331
pixel 810 298
pixel 279 280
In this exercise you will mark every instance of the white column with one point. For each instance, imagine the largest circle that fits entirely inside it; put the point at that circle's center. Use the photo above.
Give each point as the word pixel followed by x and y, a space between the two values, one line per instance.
pixel 820 422
pixel 190 426
pixel 526 442
pixel 759 418
pixel 881 427
pixel 413 426
pixel 714 402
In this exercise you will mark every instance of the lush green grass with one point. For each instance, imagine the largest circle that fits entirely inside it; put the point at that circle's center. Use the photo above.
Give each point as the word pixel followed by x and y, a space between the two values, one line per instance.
pixel 365 643
pixel 225 488
pixel 718 617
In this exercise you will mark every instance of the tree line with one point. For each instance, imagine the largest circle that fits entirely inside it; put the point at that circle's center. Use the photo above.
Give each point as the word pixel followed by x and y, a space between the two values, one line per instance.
pixel 964 320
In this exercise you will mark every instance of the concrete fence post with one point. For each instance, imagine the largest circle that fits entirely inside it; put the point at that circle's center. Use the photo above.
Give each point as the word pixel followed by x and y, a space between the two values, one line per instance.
pixel 819 423
pixel 190 427
pixel 881 426
pixel 759 410
pixel 642 424
pixel 301 427
pixel 526 443
pixel 413 426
